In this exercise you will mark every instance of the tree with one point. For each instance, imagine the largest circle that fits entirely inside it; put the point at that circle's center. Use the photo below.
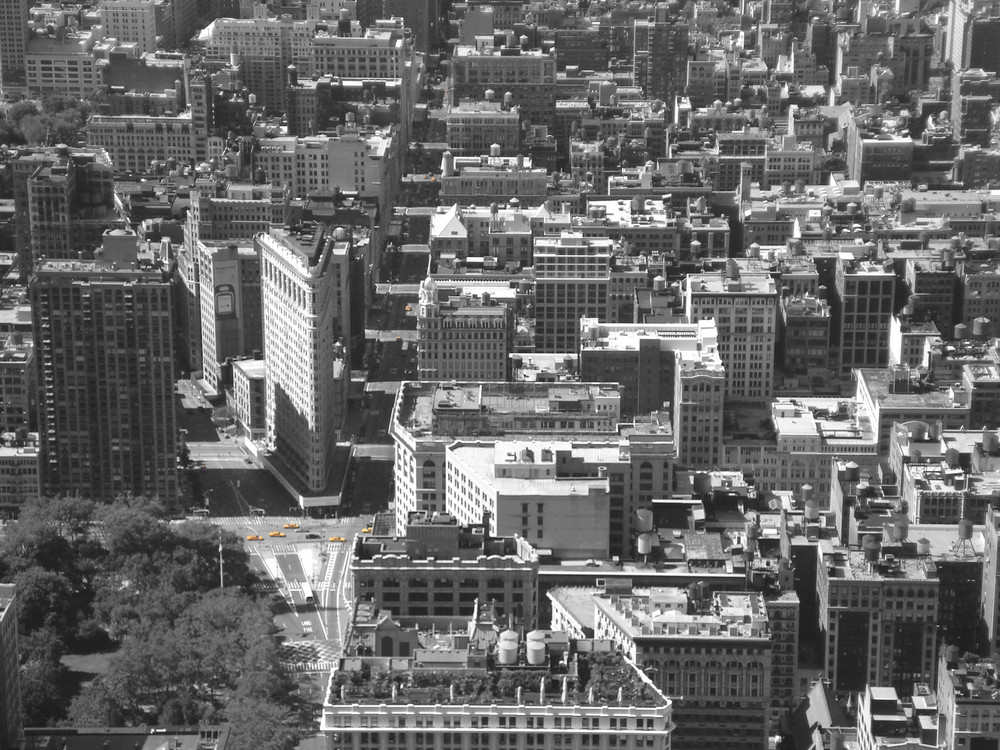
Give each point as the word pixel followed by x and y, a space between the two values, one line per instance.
pixel 180 712
pixel 41 675
pixel 188 648
pixel 33 542
pixel 45 599
pixel 35 129
pixel 40 681
pixel 95 706
pixel 19 110
pixel 260 725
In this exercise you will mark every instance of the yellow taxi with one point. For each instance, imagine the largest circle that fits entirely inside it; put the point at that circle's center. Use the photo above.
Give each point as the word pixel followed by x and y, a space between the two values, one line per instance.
pixel 291 526
pixel 337 539
pixel 277 533
pixel 366 530
pixel 255 538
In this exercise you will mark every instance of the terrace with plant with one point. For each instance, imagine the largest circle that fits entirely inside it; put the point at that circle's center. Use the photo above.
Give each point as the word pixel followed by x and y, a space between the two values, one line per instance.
pixel 587 679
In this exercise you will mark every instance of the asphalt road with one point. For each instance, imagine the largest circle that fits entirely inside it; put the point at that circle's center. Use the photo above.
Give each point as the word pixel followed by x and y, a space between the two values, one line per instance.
pixel 317 629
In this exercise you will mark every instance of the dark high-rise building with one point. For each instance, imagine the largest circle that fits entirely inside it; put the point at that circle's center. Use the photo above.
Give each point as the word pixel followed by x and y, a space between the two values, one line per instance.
pixel 962 16
pixel 13 39
pixel 105 369
pixel 862 311
pixel 64 201
pixel 420 16
pixel 660 58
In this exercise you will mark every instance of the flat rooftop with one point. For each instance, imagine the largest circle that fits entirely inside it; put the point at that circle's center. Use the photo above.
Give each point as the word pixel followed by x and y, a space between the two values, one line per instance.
pixel 484 458
pixel 928 395
pixel 830 419
pixel 739 616
pixel 468 681
pixel 499 403
pixel 253 368
pixel 975 680
pixel 850 564
pixel 745 283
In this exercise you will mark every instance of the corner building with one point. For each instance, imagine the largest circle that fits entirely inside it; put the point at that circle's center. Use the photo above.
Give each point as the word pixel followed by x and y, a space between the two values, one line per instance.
pixel 304 296
pixel 550 693
pixel 716 665
pixel 436 574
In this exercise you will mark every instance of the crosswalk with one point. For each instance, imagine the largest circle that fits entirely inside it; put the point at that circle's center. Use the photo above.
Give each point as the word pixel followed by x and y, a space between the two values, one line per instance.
pixel 254 547
pixel 275 521
pixel 278 522
pixel 307 667
pixel 308 656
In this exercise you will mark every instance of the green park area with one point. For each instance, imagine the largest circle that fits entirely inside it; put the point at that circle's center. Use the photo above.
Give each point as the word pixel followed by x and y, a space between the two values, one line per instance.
pixel 134 603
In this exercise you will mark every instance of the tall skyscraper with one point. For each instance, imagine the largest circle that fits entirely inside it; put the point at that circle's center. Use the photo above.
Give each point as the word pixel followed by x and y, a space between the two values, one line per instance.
pixel 13 39
pixel 660 58
pixel 64 200
pixel 962 15
pixel 306 306
pixel 421 17
pixel 103 339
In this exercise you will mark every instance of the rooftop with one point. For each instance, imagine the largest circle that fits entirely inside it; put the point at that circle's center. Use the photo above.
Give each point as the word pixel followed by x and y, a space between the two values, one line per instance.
pixel 309 243
pixel 653 615
pixel 440 539
pixel 580 679
pixel 829 419
pixel 733 282
pixel 889 393
pixel 851 564
pixel 805 306
pixel 975 680
pixel 629 336
pixel 252 368
pixel 497 406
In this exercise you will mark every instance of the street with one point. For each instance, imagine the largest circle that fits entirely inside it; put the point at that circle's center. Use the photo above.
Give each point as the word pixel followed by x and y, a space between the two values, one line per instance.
pixel 313 632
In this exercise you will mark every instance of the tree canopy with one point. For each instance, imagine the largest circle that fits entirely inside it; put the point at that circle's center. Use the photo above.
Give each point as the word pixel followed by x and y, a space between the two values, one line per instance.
pixel 54 119
pixel 121 576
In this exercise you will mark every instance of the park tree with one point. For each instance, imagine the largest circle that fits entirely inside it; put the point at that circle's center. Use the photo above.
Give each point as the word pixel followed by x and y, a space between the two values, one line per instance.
pixel 45 600
pixel 95 706
pixel 261 725
pixel 188 650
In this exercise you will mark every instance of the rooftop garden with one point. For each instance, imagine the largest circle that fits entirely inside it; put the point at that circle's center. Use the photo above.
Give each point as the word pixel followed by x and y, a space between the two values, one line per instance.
pixel 598 679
